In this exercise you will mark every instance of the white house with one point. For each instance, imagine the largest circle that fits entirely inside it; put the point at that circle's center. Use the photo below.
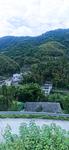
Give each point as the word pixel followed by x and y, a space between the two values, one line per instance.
pixel 16 77
pixel 47 87
pixel 8 82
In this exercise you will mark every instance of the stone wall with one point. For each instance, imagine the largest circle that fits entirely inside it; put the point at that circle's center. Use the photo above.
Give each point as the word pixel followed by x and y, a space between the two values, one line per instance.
pixel 43 106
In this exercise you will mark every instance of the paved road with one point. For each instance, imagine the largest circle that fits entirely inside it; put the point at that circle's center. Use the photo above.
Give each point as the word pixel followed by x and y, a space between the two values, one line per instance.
pixel 61 91
pixel 41 113
pixel 15 123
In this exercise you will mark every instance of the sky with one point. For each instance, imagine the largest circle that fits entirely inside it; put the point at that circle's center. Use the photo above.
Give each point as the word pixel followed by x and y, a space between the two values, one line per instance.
pixel 32 17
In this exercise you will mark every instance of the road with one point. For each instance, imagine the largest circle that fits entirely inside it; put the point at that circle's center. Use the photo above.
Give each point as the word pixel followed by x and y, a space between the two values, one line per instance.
pixel 61 91
pixel 38 113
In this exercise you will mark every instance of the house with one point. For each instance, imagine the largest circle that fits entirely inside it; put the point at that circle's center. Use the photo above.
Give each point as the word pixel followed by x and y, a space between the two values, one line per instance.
pixel 8 82
pixel 16 77
pixel 47 87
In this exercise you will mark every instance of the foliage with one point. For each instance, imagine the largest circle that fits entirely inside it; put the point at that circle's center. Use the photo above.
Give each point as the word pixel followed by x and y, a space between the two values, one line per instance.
pixel 58 98
pixel 8 66
pixel 34 116
pixel 66 104
pixel 30 50
pixel 33 138
pixel 51 71
pixel 30 93
pixel 52 49
pixel 7 97
pixel 3 103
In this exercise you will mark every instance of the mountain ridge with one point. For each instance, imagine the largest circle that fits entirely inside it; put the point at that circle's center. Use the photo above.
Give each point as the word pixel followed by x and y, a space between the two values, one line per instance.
pixel 46 37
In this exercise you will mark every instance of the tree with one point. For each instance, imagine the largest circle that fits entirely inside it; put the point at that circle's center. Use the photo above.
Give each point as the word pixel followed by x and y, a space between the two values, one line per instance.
pixel 3 103
pixel 30 92
pixel 66 104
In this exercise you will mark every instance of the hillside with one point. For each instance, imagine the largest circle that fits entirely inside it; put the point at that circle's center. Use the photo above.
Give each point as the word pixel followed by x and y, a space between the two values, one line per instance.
pixel 59 35
pixel 6 41
pixel 52 49
pixel 30 50
pixel 8 66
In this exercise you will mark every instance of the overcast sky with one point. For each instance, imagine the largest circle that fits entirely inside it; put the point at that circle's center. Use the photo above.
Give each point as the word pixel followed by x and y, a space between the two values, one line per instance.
pixel 32 17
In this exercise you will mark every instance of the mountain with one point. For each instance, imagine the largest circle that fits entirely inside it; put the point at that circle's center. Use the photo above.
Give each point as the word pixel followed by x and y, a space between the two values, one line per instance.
pixel 52 49
pixel 8 66
pixel 6 41
pixel 29 50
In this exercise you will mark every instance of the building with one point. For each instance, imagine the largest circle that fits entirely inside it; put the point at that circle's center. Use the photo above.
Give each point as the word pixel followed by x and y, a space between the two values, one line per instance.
pixel 8 82
pixel 47 87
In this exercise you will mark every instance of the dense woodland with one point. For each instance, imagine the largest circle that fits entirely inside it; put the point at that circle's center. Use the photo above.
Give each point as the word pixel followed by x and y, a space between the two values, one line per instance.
pixel 46 55
pixel 31 50
pixel 10 96
pixel 8 66
pixel 56 71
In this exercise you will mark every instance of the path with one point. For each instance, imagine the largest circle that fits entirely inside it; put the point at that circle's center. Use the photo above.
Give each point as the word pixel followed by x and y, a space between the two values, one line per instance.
pixel 60 91
pixel 38 113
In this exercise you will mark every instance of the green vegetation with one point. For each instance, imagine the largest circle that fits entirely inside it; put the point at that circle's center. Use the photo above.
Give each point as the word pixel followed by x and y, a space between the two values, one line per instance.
pixel 52 49
pixel 32 50
pixel 47 56
pixel 54 117
pixel 7 97
pixel 55 71
pixel 30 93
pixel 8 66
pixel 10 97
pixel 33 138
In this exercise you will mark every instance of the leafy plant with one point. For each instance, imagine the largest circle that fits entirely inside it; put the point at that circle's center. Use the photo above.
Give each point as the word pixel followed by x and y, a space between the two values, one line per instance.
pixel 32 137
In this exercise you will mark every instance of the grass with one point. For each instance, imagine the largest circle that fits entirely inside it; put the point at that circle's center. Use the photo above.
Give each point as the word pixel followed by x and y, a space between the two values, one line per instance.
pixel 34 116
pixel 17 102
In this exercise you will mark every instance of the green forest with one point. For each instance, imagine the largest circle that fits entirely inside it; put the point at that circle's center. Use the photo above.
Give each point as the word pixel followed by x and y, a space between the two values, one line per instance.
pixel 26 51
pixel 10 96
pixel 8 66
pixel 47 57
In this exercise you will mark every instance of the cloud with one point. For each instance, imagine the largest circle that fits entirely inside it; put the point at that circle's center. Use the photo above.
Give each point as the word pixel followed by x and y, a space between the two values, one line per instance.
pixel 32 17
pixel 22 31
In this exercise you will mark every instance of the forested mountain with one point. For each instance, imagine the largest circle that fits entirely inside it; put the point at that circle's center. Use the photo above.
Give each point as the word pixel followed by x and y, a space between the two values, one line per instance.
pixel 8 66
pixel 59 35
pixel 9 40
pixel 49 46
pixel 52 49
pixel 30 50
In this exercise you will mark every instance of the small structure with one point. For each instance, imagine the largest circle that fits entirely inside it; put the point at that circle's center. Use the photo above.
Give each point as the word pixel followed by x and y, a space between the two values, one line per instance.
pixel 47 87
pixel 22 104
pixel 16 77
pixel 43 107
pixel 8 82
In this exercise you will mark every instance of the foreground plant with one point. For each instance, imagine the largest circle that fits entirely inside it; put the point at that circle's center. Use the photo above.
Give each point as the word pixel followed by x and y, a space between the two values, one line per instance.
pixel 32 137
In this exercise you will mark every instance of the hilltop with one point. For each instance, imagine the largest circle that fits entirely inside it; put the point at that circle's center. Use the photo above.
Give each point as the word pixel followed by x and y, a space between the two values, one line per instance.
pixel 33 50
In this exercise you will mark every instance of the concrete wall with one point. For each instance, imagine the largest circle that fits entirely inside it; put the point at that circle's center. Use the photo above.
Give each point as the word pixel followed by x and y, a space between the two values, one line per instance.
pixel 43 106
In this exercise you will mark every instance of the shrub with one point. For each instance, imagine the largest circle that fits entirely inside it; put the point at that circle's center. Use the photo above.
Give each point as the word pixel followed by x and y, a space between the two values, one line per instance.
pixel 32 137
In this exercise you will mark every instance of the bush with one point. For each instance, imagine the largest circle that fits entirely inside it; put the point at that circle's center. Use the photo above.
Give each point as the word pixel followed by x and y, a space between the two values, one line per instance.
pixel 33 138
pixel 58 98
pixel 66 104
